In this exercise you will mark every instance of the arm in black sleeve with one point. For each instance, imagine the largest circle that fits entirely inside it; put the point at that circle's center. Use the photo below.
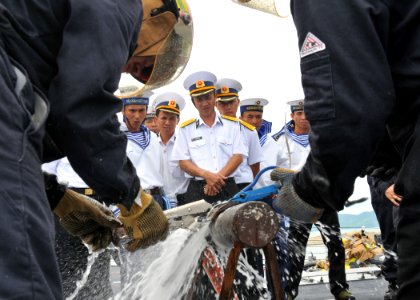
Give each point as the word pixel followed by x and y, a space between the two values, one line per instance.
pixel 54 190
pixel 348 90
pixel 384 166
pixel 386 162
pixel 96 43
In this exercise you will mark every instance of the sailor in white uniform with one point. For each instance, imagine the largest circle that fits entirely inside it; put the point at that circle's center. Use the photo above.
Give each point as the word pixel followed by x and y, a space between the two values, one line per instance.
pixel 168 107
pixel 66 175
pixel 227 102
pixel 252 110
pixel 143 147
pixel 150 120
pixel 209 148
pixel 293 138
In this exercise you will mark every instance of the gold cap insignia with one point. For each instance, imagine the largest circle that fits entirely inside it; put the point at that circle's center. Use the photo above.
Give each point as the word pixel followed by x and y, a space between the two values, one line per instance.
pixel 200 84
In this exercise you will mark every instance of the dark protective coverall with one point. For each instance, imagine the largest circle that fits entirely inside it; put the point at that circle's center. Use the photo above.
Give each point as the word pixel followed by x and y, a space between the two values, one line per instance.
pixel 384 211
pixel 72 52
pixel 367 78
pixel 382 172
pixel 297 239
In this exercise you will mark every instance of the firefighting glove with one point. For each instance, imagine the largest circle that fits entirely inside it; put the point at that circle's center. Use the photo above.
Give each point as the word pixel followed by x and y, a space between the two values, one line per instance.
pixel 86 218
pixel 145 223
pixel 289 203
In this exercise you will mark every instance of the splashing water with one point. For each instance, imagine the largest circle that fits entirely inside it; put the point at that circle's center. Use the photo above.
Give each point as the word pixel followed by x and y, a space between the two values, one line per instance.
pixel 165 270
pixel 172 268
pixel 81 283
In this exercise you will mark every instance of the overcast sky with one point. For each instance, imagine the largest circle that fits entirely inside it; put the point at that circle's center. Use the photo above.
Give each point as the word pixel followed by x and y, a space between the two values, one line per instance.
pixel 257 49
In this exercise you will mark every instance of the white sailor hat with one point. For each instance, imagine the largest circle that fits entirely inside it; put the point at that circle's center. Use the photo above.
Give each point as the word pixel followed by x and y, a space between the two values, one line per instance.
pixel 253 104
pixel 169 102
pixel 200 83
pixel 227 89
pixel 150 112
pixel 296 105
pixel 126 95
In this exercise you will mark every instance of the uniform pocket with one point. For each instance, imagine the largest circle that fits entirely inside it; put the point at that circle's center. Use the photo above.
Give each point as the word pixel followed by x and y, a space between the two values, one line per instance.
pixel 197 150
pixel 175 170
pixel 318 88
pixel 226 146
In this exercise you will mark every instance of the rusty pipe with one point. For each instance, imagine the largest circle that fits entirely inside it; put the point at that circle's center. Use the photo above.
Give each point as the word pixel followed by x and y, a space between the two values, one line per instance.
pixel 253 224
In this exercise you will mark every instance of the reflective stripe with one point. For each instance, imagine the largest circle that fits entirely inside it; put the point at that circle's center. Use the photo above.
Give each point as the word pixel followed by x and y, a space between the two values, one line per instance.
pixel 21 80
pixel 40 106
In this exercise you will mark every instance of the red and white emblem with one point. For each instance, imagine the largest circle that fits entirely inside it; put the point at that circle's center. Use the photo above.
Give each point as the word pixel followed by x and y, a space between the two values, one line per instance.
pixel 311 45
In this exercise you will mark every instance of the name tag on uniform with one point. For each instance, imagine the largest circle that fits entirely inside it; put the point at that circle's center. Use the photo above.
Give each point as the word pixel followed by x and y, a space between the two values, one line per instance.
pixel 196 138
pixel 197 142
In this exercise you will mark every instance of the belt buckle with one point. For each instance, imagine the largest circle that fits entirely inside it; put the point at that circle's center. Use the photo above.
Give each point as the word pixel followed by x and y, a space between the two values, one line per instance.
pixel 88 192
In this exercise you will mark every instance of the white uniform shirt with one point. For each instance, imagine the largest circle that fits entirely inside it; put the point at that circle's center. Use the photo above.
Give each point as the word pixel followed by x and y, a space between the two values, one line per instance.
pixel 174 180
pixel 255 155
pixel 64 172
pixel 273 156
pixel 147 162
pixel 295 153
pixel 210 148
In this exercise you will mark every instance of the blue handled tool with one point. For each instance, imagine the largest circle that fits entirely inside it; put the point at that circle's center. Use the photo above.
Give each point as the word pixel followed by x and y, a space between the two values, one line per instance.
pixel 265 194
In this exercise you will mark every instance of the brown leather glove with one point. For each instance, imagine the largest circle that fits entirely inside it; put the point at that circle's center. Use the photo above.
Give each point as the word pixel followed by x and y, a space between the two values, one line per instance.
pixel 145 224
pixel 288 201
pixel 86 218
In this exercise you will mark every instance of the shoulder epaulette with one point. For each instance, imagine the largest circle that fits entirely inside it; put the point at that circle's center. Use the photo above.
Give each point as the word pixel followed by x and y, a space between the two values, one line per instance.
pixel 188 122
pixel 230 118
pixel 247 125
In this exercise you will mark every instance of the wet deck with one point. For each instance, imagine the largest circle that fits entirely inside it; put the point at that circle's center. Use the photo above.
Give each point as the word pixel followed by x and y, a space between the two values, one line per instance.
pixel 370 288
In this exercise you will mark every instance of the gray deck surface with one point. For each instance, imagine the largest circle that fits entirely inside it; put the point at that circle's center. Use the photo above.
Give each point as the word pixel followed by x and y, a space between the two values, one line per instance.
pixel 369 289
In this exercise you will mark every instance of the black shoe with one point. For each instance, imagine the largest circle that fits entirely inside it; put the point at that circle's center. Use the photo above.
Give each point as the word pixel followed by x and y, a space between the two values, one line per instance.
pixel 344 295
pixel 391 293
